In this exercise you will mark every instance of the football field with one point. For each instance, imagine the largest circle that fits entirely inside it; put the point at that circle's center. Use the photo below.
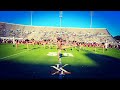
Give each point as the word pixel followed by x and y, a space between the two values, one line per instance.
pixel 36 62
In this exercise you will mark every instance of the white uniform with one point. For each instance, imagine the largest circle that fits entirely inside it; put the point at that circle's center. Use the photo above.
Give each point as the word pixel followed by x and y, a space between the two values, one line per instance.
pixel 13 41
pixel 106 45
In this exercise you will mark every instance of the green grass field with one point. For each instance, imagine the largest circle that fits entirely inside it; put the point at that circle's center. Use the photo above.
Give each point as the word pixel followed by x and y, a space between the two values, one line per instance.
pixel 34 63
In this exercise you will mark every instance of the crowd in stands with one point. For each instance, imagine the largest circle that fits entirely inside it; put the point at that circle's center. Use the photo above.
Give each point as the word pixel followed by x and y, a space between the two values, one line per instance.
pixel 46 35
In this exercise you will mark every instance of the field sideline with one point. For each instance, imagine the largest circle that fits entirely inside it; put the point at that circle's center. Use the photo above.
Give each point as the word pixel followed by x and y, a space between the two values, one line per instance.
pixel 34 63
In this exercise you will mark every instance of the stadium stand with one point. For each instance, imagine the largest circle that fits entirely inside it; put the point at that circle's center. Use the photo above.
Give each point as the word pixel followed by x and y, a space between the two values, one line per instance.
pixel 87 35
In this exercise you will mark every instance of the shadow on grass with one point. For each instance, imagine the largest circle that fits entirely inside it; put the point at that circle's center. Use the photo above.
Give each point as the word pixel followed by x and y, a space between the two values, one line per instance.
pixel 24 48
pixel 10 70
pixel 108 68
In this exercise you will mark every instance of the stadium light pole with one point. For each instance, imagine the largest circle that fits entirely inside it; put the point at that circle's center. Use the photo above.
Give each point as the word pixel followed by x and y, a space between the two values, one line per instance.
pixel 91 14
pixel 60 18
pixel 31 17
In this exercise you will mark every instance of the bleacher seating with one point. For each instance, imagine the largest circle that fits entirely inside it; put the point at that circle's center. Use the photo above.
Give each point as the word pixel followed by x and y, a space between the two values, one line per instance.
pixel 43 32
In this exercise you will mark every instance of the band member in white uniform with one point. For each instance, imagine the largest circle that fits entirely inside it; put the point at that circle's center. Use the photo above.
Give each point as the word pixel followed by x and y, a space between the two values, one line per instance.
pixel 14 42
pixel 106 45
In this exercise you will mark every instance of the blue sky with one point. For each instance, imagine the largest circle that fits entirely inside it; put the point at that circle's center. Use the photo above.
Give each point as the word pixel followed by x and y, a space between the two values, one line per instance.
pixel 80 19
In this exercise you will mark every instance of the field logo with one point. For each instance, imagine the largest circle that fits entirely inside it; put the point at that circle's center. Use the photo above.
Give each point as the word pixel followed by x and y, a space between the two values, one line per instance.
pixel 67 54
pixel 55 54
pixel 52 54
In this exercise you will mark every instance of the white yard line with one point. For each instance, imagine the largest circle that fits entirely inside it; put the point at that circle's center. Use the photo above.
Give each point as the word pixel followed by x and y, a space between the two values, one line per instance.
pixel 13 55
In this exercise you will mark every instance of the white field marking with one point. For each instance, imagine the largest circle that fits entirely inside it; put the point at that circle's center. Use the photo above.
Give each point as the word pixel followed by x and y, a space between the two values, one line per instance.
pixel 55 54
pixel 52 54
pixel 68 54
pixel 13 55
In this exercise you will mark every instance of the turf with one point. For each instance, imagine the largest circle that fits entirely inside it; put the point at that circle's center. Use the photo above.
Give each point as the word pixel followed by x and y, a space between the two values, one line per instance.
pixel 34 63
